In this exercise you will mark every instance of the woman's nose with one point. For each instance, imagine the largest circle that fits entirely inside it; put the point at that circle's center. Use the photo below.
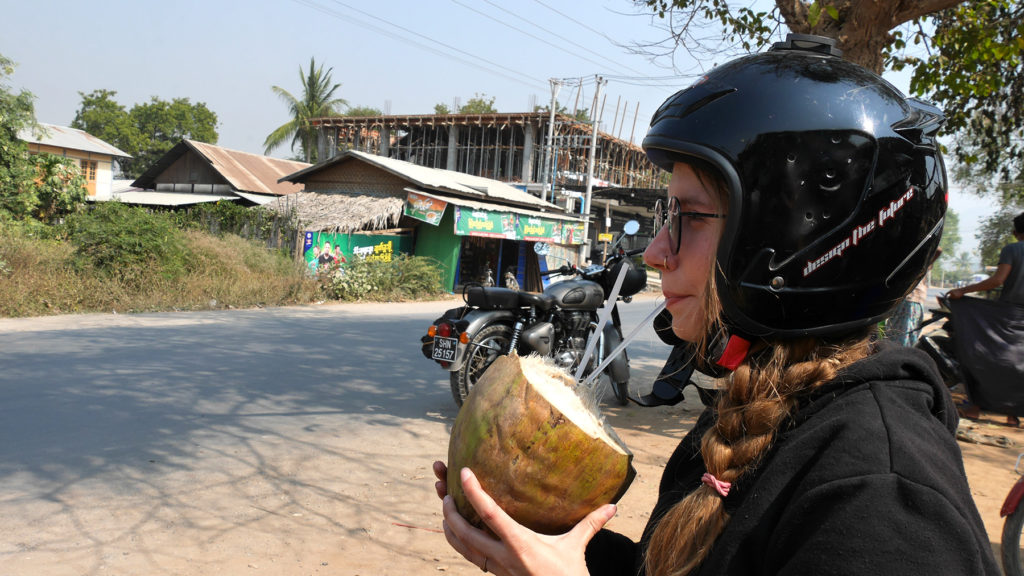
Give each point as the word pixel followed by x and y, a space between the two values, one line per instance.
pixel 656 254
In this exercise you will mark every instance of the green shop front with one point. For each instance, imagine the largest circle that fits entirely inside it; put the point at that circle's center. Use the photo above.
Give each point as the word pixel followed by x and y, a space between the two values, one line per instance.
pixel 488 243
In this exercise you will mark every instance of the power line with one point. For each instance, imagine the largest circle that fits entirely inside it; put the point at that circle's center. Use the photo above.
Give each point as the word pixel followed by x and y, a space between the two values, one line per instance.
pixel 554 34
pixel 475 58
pixel 524 32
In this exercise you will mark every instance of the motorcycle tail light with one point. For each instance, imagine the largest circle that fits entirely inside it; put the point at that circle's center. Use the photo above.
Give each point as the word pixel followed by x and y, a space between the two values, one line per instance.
pixel 444 330
pixel 432 331
pixel 464 338
pixel 445 364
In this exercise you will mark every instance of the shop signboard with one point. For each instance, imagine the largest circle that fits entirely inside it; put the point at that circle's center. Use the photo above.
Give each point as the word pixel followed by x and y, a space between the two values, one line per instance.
pixel 424 208
pixel 540 229
pixel 514 226
pixel 485 223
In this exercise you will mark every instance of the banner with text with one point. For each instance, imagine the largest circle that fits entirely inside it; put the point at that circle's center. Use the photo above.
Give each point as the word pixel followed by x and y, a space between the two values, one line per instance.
pixel 322 250
pixel 513 226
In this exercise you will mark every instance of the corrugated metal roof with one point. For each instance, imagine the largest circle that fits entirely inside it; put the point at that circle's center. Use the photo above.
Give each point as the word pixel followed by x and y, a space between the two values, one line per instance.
pixel 250 172
pixel 438 180
pixel 71 138
pixel 151 198
pixel 259 199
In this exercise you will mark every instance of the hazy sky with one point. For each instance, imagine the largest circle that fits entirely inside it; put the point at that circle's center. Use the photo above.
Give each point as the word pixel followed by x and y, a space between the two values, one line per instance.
pixel 399 56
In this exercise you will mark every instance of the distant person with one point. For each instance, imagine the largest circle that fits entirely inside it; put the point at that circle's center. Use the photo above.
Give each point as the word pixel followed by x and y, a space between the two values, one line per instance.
pixel 904 327
pixel 1009 273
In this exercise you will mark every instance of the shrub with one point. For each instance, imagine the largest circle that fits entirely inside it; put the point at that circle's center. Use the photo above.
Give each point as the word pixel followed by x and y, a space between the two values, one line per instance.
pixel 128 243
pixel 404 278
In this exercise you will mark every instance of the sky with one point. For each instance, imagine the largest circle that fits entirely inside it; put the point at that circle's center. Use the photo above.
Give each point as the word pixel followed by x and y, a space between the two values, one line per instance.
pixel 399 56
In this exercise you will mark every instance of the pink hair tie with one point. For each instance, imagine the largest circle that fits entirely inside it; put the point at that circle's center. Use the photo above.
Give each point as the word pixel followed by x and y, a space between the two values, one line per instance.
pixel 721 487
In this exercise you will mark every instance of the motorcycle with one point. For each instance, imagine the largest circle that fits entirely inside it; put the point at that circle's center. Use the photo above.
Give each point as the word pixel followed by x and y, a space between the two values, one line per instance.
pixel 557 322
pixel 1013 564
pixel 982 350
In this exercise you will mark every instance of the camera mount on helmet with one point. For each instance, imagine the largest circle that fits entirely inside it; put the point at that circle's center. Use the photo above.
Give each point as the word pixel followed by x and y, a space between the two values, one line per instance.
pixel 809 43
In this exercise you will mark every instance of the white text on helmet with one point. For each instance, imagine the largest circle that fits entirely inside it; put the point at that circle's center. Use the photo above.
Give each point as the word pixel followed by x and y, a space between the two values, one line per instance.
pixel 859 232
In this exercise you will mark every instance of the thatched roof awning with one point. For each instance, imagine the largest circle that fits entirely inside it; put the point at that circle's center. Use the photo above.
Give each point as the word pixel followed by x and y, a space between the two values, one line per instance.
pixel 341 213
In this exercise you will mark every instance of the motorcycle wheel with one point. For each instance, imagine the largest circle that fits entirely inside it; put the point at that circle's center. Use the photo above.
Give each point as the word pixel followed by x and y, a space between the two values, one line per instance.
pixel 484 348
pixel 1011 553
pixel 621 391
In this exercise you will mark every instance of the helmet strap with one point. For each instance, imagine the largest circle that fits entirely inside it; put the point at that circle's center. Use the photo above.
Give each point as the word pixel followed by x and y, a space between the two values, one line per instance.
pixel 725 352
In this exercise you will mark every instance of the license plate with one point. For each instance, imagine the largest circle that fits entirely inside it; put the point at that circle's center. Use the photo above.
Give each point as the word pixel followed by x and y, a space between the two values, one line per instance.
pixel 444 349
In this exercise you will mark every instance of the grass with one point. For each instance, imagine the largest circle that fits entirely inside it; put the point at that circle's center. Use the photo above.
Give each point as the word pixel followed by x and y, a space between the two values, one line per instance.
pixel 114 257
pixel 40 276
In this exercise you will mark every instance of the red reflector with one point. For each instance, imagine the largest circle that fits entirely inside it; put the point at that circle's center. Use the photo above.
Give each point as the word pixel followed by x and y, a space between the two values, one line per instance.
pixel 445 364
pixel 444 330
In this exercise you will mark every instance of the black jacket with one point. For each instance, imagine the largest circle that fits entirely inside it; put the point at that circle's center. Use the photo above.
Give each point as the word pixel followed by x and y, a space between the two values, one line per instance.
pixel 866 479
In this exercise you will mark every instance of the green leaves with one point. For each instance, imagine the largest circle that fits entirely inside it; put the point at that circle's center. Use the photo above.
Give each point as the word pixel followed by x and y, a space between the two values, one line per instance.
pixel 42 186
pixel 317 101
pixel 148 130
pixel 974 72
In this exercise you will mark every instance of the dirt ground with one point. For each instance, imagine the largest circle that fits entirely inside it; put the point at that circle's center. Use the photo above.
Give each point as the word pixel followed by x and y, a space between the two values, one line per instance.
pixel 323 496
pixel 652 435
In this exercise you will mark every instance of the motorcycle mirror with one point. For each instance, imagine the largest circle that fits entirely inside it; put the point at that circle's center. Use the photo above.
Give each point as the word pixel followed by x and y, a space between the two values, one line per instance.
pixel 542 248
pixel 631 227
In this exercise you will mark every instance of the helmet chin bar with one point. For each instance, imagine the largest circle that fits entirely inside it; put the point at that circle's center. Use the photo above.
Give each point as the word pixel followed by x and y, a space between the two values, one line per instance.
pixel 726 353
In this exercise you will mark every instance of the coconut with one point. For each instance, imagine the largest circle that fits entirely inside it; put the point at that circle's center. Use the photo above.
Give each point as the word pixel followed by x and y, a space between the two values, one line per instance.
pixel 543 453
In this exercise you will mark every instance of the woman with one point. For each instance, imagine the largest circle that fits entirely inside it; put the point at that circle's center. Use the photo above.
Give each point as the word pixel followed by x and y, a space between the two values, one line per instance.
pixel 806 200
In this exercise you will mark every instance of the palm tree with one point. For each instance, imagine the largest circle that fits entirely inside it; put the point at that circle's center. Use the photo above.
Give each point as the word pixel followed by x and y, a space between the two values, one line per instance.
pixel 317 101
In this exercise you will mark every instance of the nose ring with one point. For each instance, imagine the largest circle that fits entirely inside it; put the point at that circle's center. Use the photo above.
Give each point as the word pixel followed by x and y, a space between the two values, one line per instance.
pixel 664 262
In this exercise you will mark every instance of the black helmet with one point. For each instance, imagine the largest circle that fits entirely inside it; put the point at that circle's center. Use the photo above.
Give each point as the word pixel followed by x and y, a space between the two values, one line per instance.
pixel 837 188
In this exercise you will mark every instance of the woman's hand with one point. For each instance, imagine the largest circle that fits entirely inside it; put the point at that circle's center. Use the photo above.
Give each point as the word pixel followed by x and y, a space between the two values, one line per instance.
pixel 518 550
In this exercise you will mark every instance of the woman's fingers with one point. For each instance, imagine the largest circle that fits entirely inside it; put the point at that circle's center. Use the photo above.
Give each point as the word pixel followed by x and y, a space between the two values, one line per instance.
pixel 441 472
pixel 503 526
pixel 473 544
pixel 593 523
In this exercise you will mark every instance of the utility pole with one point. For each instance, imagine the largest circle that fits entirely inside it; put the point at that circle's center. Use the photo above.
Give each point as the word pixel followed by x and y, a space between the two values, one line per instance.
pixel 549 150
pixel 590 171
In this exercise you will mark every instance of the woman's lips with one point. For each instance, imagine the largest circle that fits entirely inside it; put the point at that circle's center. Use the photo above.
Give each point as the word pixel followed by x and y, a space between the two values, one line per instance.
pixel 671 299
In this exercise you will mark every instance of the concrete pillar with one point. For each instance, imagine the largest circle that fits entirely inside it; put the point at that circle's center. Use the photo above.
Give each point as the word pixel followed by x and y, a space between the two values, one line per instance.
pixel 385 140
pixel 529 133
pixel 453 147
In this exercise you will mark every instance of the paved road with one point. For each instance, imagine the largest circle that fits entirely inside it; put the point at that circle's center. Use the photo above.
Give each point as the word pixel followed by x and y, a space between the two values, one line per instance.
pixel 241 441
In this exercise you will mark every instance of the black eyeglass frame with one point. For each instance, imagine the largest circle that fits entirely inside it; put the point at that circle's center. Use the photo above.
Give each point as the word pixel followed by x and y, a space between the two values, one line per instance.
pixel 675 224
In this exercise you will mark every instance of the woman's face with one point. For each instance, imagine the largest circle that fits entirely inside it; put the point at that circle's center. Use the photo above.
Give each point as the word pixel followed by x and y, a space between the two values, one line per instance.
pixel 684 276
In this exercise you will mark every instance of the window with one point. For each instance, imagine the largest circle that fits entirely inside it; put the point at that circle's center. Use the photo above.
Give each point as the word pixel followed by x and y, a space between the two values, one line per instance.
pixel 88 169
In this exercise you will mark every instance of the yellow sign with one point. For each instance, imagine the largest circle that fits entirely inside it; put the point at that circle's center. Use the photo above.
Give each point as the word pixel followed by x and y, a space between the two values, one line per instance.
pixel 604 237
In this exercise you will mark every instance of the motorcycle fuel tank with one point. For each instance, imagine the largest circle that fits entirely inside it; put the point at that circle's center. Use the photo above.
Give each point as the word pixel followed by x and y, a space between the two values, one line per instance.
pixel 577 294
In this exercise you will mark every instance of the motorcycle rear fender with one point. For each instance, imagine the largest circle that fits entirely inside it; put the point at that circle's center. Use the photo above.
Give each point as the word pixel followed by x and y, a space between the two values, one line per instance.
pixel 1013 498
pixel 475 321
pixel 427 341
pixel 618 369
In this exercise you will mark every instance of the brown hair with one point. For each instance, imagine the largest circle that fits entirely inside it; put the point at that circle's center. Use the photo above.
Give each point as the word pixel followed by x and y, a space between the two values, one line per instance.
pixel 757 399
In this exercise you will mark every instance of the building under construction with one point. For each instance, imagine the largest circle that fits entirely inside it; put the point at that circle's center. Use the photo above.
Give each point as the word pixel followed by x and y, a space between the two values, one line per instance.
pixel 524 148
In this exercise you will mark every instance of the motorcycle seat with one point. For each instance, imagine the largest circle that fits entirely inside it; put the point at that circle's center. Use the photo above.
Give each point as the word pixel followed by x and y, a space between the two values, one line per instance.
pixel 542 302
pixel 491 298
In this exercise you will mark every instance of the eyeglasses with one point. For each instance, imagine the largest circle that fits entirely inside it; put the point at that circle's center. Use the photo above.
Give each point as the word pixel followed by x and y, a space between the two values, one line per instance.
pixel 673 218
